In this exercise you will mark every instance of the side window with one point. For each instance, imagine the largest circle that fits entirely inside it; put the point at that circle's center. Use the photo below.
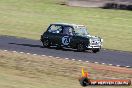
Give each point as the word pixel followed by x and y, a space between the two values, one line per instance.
pixel 68 30
pixel 55 29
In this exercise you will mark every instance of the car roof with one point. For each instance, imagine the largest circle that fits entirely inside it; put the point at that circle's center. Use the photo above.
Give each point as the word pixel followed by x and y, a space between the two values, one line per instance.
pixel 68 24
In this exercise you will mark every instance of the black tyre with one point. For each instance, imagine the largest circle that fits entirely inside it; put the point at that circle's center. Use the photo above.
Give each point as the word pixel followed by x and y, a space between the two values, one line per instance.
pixel 46 43
pixel 95 50
pixel 59 47
pixel 85 82
pixel 81 47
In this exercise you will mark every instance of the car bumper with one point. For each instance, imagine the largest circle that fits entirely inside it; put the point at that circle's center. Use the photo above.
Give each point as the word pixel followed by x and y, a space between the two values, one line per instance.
pixel 93 47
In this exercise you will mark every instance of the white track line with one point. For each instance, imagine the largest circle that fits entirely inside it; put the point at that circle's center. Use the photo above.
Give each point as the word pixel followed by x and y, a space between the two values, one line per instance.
pixel 34 54
pixel 50 56
pixel 67 58
pixel 102 63
pixel 128 66
pixel 57 57
pixel 71 59
pixel 21 52
pixel 110 64
pixel 118 65
pixel 43 55
pixel 79 60
pixel 96 62
pixel 87 61
pixel 5 50
pixel 14 51
pixel 28 53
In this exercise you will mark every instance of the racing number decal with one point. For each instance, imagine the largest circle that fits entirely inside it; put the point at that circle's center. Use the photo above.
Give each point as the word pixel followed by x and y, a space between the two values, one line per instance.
pixel 65 40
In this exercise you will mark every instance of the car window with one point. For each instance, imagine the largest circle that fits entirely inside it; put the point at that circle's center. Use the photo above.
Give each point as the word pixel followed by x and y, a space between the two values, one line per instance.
pixel 55 29
pixel 82 31
pixel 68 30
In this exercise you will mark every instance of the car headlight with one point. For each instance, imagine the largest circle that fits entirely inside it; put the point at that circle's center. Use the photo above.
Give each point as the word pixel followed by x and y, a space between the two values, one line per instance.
pixel 90 40
pixel 101 40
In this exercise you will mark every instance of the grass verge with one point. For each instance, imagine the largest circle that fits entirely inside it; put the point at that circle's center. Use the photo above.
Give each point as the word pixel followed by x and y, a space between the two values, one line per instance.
pixel 27 71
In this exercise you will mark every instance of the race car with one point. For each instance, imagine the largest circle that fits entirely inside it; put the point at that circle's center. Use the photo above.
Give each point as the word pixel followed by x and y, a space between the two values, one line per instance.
pixel 70 36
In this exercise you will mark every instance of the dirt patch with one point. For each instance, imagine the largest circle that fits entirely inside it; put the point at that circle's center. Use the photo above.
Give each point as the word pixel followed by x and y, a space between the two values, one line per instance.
pixel 107 4
pixel 56 66
pixel 86 3
pixel 26 71
pixel 111 68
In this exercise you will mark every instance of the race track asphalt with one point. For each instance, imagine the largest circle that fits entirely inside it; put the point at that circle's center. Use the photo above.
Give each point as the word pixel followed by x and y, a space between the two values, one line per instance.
pixel 111 57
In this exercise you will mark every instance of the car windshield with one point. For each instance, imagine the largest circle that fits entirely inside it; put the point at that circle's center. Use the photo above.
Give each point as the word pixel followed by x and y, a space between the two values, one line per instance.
pixel 81 31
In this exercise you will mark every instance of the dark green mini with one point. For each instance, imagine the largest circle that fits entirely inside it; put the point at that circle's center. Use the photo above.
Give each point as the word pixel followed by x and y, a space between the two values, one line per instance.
pixel 70 36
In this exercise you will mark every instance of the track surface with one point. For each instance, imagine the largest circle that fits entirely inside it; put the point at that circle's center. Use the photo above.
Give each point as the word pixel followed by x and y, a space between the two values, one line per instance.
pixel 35 47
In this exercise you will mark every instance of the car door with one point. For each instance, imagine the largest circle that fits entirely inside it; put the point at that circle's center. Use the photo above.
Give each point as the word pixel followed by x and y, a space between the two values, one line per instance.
pixel 55 33
pixel 66 36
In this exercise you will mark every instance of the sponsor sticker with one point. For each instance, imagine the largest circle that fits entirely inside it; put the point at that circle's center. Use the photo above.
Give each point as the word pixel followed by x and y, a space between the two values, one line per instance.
pixel 65 40
pixel 86 81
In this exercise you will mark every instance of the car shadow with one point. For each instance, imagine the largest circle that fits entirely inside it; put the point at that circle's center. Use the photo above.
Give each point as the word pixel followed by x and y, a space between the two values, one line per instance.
pixel 39 46
pixel 30 45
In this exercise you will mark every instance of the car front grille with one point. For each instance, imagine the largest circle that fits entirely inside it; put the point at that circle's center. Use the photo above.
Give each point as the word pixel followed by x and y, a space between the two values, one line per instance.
pixel 95 42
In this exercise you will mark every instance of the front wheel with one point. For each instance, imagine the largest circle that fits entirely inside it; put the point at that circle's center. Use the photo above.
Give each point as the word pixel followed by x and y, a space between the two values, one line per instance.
pixel 46 43
pixel 81 47
pixel 95 50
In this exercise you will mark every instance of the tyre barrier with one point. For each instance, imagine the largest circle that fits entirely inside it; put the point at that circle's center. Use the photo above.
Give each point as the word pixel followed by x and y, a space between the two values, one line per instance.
pixel 117 6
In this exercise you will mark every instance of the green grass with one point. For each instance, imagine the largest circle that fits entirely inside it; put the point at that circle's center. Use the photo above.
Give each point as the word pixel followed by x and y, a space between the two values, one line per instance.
pixel 30 18
pixel 27 71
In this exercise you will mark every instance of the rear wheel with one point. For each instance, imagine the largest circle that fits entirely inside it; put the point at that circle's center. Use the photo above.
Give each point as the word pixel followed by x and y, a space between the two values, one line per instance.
pixel 46 43
pixel 81 47
pixel 95 50
pixel 59 47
